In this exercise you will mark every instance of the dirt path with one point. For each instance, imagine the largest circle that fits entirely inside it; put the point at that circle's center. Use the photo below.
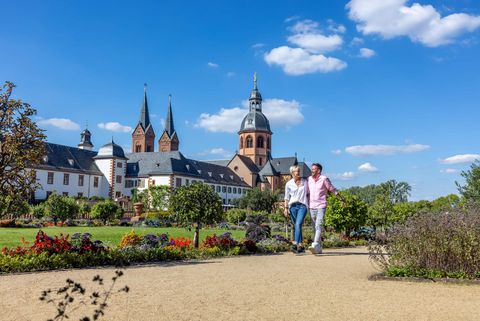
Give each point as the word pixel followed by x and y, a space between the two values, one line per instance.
pixel 332 286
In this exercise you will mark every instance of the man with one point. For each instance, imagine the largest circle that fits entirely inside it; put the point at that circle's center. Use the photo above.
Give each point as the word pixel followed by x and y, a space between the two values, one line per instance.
pixel 319 185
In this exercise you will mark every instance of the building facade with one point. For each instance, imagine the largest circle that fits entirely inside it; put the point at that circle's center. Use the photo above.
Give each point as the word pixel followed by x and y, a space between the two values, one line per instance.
pixel 110 173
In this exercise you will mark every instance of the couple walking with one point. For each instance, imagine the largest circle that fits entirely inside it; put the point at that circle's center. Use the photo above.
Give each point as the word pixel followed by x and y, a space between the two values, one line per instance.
pixel 303 194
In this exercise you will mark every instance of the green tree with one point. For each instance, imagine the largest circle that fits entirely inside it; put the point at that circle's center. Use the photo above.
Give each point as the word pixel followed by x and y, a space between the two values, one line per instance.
pixel 236 215
pixel 380 213
pixel 157 197
pixel 257 200
pixel 471 190
pixel 396 192
pixel 21 148
pixel 106 210
pixel 38 211
pixel 195 205
pixel 61 208
pixel 346 218
pixel 445 202
pixel 367 194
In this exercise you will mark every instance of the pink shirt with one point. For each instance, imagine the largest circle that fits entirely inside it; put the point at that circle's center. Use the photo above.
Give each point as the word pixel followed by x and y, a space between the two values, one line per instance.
pixel 318 191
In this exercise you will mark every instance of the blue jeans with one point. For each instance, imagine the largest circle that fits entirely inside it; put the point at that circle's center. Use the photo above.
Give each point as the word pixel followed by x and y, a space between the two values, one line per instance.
pixel 297 215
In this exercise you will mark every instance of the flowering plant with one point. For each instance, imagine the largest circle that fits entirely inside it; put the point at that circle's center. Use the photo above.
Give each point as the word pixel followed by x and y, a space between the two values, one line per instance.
pixel 82 243
pixel 180 242
pixel 130 239
pixel 224 241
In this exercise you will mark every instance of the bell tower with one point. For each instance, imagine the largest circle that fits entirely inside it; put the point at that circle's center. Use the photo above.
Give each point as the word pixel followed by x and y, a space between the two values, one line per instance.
pixel 143 137
pixel 169 141
pixel 255 136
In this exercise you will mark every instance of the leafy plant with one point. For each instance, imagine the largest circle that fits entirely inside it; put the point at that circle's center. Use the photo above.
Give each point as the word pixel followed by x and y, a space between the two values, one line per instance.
pixel 256 230
pixel 106 210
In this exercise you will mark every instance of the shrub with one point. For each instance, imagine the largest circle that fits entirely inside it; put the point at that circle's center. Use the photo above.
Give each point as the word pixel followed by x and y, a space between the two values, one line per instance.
pixel 236 215
pixel 446 242
pixel 106 210
pixel 256 230
pixel 61 207
pixel 38 211
pixel 7 223
pixel 272 245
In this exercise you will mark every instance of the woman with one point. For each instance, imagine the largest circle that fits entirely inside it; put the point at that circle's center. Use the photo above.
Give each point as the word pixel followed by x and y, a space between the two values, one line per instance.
pixel 296 200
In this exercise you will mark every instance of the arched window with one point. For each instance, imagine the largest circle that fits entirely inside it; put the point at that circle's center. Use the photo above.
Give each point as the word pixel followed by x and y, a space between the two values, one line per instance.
pixel 260 142
pixel 268 142
pixel 249 141
pixel 241 142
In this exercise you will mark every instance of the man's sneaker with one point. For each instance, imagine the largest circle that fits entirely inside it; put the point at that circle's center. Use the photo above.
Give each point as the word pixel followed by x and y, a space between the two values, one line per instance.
pixel 315 249
pixel 294 248
pixel 300 249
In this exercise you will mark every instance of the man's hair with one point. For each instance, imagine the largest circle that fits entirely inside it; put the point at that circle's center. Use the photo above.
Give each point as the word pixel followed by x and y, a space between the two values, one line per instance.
pixel 318 165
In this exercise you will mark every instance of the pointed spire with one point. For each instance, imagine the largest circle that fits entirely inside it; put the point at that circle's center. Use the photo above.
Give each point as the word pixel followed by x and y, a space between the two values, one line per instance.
pixel 255 80
pixel 144 114
pixel 169 128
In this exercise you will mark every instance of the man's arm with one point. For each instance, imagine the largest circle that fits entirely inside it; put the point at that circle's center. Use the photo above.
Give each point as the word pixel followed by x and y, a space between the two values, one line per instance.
pixel 334 191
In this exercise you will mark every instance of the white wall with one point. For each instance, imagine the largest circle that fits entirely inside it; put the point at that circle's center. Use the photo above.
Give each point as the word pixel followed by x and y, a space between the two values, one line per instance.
pixel 72 188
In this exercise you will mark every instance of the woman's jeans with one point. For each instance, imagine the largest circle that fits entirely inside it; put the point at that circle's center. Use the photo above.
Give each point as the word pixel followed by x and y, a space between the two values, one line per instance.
pixel 298 211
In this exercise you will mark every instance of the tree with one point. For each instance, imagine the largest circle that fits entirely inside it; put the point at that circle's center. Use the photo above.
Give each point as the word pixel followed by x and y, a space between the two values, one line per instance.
pixel 61 207
pixel 195 205
pixel 258 200
pixel 106 210
pixel 21 148
pixel 367 194
pixel 471 189
pixel 446 202
pixel 155 197
pixel 347 218
pixel 380 212
pixel 396 192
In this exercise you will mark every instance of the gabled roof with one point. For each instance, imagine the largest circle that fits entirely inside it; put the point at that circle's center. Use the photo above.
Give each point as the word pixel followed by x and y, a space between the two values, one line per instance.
pixel 167 163
pixel 221 162
pixel 268 170
pixel 282 164
pixel 304 169
pixel 69 159
pixel 248 162
pixel 169 128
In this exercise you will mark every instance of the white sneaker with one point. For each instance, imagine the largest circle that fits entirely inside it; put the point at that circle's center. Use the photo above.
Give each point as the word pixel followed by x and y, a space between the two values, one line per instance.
pixel 315 248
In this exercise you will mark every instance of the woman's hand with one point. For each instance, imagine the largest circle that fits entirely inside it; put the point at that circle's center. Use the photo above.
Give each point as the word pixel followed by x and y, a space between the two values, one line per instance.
pixel 285 213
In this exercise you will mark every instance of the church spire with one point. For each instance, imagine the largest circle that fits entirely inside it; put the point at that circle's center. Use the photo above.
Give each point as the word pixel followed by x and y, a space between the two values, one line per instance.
pixel 144 114
pixel 255 100
pixel 169 128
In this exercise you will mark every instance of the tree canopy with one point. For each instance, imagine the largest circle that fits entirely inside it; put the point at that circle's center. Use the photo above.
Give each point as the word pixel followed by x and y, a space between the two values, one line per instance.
pixel 471 189
pixel 21 148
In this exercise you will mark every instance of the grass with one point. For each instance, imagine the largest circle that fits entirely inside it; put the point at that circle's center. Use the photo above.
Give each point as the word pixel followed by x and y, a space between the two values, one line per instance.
pixel 110 235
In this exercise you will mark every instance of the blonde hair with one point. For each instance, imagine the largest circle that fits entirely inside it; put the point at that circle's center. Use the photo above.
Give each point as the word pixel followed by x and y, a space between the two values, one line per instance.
pixel 294 168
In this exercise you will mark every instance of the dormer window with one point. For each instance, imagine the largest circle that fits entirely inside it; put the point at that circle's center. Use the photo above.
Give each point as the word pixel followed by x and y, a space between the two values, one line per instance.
pixel 231 177
pixel 71 162
pixel 45 159
pixel 199 171
pixel 210 174
pixel 157 164
pixel 221 175
pixel 188 167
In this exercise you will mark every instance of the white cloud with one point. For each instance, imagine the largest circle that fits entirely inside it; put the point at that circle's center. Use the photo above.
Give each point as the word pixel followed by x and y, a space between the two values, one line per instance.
pixel 421 23
pixel 297 61
pixel 461 159
pixel 62 123
pixel 230 74
pixel 366 53
pixel 356 41
pixel 217 152
pixel 316 43
pixel 279 112
pixel 370 150
pixel 308 56
pixel 449 171
pixel 336 151
pixel 345 176
pixel 212 64
pixel 258 45
pixel 115 127
pixel 367 168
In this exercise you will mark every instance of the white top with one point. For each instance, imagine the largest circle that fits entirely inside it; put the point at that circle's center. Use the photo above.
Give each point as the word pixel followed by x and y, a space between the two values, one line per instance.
pixel 296 194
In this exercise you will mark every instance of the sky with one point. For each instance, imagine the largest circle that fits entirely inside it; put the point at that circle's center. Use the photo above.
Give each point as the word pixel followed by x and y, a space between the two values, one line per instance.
pixel 372 89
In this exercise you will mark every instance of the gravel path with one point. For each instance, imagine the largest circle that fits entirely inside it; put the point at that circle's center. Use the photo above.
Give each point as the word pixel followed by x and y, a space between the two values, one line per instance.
pixel 332 286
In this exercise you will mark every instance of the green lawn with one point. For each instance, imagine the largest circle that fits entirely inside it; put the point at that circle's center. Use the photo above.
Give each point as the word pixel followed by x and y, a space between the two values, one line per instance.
pixel 110 235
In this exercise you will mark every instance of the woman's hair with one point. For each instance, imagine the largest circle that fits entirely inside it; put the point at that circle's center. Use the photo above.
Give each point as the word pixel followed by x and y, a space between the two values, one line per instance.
pixel 294 168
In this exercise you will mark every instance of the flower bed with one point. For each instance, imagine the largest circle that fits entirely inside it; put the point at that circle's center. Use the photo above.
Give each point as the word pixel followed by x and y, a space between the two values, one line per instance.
pixel 63 252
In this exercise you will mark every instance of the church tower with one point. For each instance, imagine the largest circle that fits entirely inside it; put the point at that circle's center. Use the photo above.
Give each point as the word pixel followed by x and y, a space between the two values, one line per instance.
pixel 169 142
pixel 255 136
pixel 143 137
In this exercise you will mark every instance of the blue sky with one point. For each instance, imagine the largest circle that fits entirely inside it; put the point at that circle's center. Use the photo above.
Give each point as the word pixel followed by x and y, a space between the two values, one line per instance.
pixel 372 89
